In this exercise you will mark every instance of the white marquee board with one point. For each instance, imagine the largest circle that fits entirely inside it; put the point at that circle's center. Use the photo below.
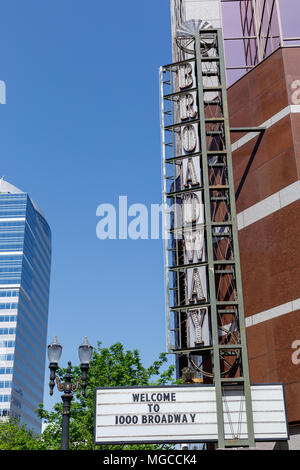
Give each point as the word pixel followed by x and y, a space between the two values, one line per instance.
pixel 186 414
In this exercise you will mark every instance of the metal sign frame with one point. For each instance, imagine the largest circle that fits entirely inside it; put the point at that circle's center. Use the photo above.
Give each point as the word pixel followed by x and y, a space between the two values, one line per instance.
pixel 203 52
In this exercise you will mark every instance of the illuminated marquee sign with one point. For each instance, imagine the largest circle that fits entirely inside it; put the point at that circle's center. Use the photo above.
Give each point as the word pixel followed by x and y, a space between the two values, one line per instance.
pixel 184 414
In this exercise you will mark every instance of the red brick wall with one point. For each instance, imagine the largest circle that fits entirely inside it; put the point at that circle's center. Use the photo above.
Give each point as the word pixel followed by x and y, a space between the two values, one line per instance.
pixel 270 248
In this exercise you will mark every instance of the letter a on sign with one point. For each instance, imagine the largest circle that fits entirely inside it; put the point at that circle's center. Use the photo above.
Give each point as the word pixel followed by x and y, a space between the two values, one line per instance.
pixel 197 294
pixel 190 176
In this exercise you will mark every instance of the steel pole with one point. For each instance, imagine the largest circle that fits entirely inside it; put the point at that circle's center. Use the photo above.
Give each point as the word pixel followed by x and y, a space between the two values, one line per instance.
pixel 66 398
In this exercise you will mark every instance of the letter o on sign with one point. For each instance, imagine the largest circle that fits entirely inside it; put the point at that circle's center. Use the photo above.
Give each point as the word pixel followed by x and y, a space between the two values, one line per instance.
pixel 189 138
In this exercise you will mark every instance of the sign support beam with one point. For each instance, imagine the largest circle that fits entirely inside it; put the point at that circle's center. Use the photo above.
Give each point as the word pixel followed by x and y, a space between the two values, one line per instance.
pixel 211 274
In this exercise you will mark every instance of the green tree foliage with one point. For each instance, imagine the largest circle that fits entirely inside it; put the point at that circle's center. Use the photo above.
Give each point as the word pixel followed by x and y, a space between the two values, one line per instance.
pixel 14 436
pixel 113 367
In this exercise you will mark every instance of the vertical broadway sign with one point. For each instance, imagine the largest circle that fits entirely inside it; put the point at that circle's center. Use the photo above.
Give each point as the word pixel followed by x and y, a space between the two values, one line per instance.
pixel 186 252
pixel 188 229
pixel 191 184
pixel 205 311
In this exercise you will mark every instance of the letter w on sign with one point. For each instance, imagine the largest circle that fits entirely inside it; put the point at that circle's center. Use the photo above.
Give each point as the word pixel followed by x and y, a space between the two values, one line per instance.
pixel 194 240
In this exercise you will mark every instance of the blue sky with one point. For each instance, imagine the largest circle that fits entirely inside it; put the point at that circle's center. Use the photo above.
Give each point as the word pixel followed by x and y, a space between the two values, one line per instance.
pixel 80 128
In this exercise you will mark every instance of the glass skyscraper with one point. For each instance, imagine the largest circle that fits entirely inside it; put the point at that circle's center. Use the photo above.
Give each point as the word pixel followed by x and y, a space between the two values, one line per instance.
pixel 25 258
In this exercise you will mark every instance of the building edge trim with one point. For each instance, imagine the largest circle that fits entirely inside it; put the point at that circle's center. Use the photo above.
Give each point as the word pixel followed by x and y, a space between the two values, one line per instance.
pixel 274 312
pixel 288 110
pixel 268 206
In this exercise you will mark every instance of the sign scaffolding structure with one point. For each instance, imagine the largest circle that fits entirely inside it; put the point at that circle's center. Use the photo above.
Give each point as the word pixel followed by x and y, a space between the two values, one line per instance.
pixel 205 311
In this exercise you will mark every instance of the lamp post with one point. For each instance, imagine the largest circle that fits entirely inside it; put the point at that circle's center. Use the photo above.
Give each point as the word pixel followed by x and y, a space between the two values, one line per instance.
pixel 85 352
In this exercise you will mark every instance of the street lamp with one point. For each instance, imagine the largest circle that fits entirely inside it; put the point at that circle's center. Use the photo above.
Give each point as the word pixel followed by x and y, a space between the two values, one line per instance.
pixel 85 352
